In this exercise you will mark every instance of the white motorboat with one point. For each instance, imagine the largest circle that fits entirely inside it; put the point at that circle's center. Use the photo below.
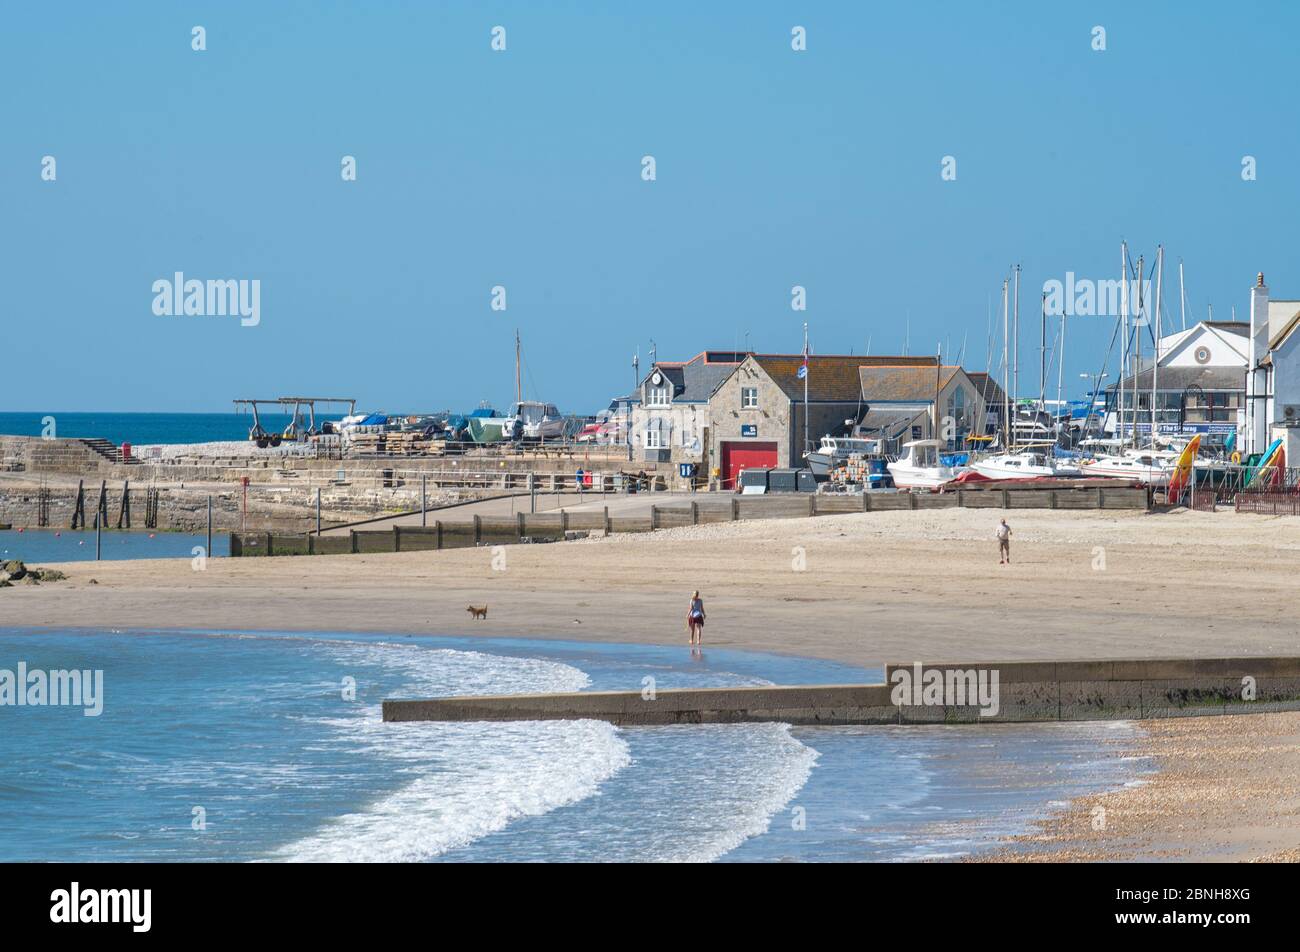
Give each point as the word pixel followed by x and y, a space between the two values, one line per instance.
pixel 921 468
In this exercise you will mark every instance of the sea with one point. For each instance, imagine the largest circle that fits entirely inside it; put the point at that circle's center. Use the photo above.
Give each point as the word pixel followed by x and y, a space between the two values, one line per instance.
pixel 64 545
pixel 269 747
pixel 142 429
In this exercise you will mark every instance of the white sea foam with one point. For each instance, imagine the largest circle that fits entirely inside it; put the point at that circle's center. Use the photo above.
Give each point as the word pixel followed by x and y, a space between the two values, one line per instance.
pixel 463 781
pixel 467 780
pixel 724 784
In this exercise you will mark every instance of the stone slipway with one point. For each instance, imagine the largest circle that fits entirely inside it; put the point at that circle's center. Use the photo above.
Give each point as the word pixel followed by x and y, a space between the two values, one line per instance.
pixel 1026 691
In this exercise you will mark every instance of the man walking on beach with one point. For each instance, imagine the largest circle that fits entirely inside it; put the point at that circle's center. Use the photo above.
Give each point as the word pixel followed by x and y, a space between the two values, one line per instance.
pixel 1004 543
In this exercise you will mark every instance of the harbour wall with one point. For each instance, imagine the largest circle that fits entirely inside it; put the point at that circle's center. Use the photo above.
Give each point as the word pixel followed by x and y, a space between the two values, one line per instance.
pixel 553 526
pixel 967 693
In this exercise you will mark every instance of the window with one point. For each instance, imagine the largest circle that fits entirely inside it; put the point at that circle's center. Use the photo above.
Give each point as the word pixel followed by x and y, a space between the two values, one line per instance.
pixel 653 438
pixel 749 398
pixel 659 396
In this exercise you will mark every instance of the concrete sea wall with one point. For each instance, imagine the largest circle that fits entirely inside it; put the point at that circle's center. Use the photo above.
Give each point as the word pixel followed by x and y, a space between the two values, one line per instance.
pixel 965 692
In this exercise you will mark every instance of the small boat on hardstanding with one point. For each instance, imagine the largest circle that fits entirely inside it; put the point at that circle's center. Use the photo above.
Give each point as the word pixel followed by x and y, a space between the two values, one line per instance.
pixel 1024 465
pixel 836 451
pixel 921 467
pixel 1147 467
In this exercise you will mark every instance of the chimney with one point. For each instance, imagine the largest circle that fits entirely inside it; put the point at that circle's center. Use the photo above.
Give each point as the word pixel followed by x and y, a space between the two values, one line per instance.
pixel 1258 321
pixel 1256 378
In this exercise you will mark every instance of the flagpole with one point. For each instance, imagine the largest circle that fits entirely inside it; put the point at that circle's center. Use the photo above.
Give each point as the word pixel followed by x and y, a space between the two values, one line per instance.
pixel 806 445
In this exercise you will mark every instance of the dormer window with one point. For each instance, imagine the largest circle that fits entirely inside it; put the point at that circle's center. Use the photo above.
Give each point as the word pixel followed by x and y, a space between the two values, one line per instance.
pixel 659 392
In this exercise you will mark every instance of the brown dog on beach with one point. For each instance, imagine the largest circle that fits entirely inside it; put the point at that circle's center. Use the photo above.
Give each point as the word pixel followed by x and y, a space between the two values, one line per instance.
pixel 478 612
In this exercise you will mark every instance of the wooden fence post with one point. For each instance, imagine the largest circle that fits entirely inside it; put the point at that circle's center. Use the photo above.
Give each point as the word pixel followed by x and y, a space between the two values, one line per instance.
pixel 352 540
pixel 607 523
pixel 478 529
pixel 654 517
pixel 695 513
pixel 397 538
pixel 437 533
pixel 735 508
pixel 519 525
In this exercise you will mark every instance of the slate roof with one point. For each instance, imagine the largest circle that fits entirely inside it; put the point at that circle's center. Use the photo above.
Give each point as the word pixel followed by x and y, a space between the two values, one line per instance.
pixel 988 388
pixel 832 378
pixel 889 424
pixel 695 380
pixel 903 384
pixel 1179 378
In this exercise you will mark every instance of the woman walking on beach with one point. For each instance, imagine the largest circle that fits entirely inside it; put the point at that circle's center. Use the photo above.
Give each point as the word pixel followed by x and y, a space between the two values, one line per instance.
pixel 695 619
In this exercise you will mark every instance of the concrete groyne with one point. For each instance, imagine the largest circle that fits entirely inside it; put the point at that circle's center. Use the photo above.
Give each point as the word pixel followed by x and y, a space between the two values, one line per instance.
pixel 921 693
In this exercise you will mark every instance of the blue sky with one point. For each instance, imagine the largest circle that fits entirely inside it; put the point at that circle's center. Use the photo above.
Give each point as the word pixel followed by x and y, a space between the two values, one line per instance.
pixel 523 169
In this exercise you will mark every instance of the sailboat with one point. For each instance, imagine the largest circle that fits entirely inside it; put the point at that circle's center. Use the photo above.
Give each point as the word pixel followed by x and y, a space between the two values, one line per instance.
pixel 1149 466
pixel 1030 463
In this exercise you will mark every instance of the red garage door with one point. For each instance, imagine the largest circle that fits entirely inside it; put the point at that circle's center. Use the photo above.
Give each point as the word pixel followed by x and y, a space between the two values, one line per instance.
pixel 738 456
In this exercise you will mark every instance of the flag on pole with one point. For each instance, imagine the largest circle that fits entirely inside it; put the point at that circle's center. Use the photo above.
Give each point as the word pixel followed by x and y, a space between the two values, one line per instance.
pixel 803 370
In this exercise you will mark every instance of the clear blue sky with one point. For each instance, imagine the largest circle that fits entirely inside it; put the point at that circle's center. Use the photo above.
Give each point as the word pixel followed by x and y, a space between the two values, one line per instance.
pixel 522 169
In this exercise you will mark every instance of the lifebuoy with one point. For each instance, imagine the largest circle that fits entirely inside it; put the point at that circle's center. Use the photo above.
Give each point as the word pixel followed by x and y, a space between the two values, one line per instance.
pixel 1236 458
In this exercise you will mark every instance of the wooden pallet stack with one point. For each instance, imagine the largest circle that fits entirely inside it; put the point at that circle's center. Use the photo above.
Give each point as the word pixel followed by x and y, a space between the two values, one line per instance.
pixel 369 444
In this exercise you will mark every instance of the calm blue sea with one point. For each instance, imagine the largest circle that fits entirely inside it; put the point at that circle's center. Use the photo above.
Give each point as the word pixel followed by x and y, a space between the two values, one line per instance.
pixel 63 545
pixel 140 429
pixel 239 746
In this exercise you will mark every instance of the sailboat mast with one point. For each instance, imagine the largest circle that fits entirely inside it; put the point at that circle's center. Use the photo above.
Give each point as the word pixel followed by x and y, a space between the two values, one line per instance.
pixel 1123 347
pixel 1155 361
pixel 519 396
pixel 1060 376
pixel 1137 342
pixel 1182 295
pixel 1006 373
pixel 938 371
pixel 1015 341
pixel 1042 357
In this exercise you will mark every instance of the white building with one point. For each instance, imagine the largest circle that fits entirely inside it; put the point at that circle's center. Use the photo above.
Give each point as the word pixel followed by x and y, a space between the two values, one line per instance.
pixel 1273 378
pixel 1199 379
pixel 671 421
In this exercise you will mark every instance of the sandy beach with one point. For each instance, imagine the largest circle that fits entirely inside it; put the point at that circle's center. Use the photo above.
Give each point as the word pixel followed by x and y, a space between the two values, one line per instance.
pixel 860 588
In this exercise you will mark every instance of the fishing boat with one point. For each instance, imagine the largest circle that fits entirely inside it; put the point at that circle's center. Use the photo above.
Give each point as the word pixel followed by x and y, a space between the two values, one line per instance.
pixel 922 468
pixel 836 450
